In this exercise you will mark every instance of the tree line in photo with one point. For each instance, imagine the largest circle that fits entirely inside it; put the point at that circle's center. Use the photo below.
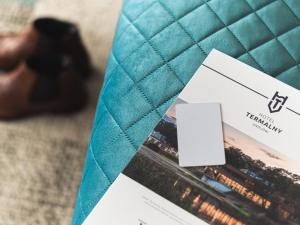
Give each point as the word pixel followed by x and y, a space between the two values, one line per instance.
pixel 279 186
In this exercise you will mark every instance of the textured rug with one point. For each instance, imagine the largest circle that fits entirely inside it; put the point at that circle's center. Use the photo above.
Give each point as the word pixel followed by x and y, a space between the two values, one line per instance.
pixel 41 158
pixel 14 14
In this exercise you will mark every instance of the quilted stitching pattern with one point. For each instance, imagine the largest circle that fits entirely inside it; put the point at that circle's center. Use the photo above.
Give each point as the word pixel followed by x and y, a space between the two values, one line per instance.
pixel 158 46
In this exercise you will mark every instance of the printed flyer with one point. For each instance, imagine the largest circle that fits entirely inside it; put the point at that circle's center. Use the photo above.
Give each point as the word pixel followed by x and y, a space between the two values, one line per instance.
pixel 260 182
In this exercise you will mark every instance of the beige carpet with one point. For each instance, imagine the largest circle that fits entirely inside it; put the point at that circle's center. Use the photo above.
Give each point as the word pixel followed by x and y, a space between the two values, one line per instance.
pixel 41 158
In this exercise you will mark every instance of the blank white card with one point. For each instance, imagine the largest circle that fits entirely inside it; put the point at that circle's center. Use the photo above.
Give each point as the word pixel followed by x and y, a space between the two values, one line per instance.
pixel 200 134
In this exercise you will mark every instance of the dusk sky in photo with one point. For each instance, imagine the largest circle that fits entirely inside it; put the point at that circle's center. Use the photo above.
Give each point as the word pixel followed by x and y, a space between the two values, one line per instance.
pixel 256 150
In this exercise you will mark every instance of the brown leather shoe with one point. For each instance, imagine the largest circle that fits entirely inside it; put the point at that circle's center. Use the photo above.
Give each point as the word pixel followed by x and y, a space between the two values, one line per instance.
pixel 43 36
pixel 41 84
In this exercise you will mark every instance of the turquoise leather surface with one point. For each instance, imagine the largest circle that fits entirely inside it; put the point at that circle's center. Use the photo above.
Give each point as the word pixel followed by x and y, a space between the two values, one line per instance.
pixel 158 46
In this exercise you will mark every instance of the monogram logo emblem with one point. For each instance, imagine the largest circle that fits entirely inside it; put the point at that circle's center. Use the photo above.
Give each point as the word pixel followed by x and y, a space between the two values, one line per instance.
pixel 276 103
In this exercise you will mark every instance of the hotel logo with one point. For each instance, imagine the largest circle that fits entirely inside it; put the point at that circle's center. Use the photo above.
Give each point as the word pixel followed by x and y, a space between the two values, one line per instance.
pixel 276 103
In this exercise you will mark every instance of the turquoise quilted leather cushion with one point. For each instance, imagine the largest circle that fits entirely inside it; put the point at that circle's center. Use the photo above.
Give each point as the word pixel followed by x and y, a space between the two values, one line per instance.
pixel 158 46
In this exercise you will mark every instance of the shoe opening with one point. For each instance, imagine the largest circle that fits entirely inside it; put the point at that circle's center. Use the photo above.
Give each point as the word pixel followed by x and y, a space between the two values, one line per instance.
pixel 54 28
pixel 47 65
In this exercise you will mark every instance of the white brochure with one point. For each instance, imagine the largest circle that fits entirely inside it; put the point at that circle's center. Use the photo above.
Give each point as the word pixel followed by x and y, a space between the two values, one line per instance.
pixel 260 182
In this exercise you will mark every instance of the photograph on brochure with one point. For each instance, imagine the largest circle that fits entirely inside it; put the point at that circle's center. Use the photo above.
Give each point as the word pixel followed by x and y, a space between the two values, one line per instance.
pixel 258 185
